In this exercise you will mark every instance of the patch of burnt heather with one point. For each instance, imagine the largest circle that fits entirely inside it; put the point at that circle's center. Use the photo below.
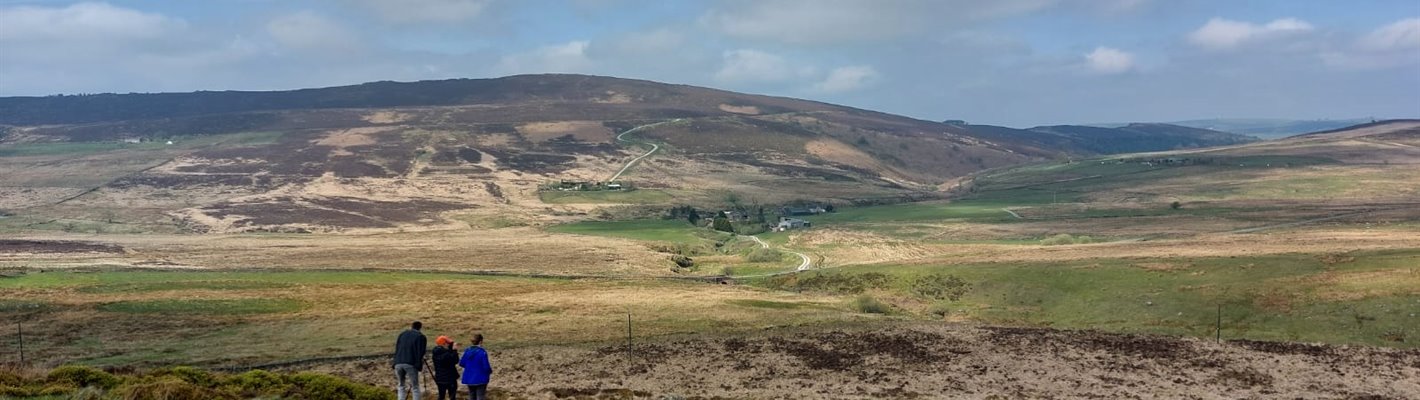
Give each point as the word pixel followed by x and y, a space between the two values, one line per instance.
pixel 1140 346
pixel 495 191
pixel 389 211
pixel 785 169
pixel 350 167
pixel 55 246
pixel 1285 348
pixel 189 181
pixel 465 170
pixel 814 355
pixel 449 157
pixel 533 162
pixel 568 144
pixel 285 211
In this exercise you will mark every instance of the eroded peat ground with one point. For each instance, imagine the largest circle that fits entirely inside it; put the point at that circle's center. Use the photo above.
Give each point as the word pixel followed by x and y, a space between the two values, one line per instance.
pixel 935 360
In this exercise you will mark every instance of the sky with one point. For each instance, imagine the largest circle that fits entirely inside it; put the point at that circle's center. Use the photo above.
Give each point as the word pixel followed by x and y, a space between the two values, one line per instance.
pixel 1007 62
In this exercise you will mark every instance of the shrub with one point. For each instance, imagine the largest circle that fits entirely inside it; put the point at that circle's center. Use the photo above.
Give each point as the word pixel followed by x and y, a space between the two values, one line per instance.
pixel 325 387
pixel 167 388
pixel 258 382
pixel 682 261
pixel 81 376
pixel 764 255
pixel 939 287
pixel 1175 205
pixel 831 282
pixel 191 375
pixel 722 224
pixel 869 305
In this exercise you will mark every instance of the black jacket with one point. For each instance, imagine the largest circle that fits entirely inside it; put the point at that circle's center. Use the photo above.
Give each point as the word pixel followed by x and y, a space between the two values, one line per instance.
pixel 446 363
pixel 409 349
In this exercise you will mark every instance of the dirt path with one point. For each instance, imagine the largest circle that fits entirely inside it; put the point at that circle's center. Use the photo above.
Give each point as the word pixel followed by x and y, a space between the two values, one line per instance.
pixel 1013 213
pixel 1299 223
pixel 805 262
pixel 654 147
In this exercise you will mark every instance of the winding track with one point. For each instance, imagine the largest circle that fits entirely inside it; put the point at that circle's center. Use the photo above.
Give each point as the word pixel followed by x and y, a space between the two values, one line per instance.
pixel 654 147
pixel 803 265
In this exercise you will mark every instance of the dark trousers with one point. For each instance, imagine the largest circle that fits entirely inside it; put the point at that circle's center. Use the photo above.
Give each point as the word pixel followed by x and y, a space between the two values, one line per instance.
pixel 478 392
pixel 451 388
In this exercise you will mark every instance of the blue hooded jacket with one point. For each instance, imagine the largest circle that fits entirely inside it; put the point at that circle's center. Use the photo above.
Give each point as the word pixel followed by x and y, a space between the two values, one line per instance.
pixel 476 369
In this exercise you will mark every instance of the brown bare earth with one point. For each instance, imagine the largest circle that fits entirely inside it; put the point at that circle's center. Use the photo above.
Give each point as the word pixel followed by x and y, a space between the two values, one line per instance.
pixel 936 360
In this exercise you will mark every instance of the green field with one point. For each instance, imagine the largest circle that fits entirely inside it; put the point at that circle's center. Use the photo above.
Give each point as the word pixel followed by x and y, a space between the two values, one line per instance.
pixel 1370 298
pixel 639 196
pixel 658 230
pixel 204 306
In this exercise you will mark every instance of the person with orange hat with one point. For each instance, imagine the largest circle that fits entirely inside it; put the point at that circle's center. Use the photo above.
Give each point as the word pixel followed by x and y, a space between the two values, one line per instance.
pixel 446 373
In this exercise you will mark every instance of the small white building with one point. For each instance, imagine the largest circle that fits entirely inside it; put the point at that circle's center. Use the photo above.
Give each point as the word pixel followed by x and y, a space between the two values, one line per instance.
pixel 791 223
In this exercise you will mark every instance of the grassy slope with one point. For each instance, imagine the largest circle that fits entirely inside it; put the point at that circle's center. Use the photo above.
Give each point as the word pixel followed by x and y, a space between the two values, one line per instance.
pixel 201 318
pixel 1372 299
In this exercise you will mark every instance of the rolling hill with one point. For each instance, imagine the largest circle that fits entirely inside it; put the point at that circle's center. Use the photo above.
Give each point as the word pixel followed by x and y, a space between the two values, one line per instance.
pixel 425 155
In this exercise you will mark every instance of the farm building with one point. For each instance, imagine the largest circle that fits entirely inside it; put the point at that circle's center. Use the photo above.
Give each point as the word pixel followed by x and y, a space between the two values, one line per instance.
pixel 791 223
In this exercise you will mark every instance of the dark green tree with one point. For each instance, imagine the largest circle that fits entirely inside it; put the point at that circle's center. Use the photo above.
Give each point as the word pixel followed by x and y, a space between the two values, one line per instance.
pixel 722 224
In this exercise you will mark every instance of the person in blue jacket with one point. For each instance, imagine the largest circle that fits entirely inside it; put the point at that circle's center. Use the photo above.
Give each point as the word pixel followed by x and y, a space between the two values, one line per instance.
pixel 476 369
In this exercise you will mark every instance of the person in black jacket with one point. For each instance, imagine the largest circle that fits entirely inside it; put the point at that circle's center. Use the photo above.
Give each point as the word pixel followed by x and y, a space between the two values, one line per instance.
pixel 446 367
pixel 408 358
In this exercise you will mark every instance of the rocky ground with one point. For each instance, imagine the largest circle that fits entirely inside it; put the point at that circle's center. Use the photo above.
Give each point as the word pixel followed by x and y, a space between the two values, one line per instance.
pixel 932 360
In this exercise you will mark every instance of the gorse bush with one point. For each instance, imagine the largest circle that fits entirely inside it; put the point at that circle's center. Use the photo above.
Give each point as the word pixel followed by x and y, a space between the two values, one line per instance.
pixel 81 376
pixel 868 304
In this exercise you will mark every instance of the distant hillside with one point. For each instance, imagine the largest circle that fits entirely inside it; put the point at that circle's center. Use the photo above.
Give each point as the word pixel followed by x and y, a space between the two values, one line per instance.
pixel 1368 163
pixel 1270 128
pixel 1093 140
pixel 390 155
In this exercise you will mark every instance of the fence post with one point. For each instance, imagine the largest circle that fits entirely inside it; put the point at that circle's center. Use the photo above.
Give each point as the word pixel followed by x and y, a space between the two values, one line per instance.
pixel 21 330
pixel 1218 327
pixel 629 347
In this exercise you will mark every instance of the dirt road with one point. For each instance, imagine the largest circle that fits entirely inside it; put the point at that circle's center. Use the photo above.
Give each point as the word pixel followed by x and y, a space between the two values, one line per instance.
pixel 804 264
pixel 654 147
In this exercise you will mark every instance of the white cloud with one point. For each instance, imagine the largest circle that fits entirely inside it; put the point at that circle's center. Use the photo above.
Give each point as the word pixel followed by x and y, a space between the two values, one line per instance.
pixel 417 11
pixel 749 65
pixel 1222 34
pixel 843 79
pixel 1401 35
pixel 310 31
pixel 83 21
pixel 839 21
pixel 1106 60
pixel 1393 45
pixel 560 58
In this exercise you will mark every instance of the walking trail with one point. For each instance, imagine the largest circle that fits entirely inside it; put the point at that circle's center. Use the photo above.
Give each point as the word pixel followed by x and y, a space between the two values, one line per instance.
pixel 804 264
pixel 654 147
